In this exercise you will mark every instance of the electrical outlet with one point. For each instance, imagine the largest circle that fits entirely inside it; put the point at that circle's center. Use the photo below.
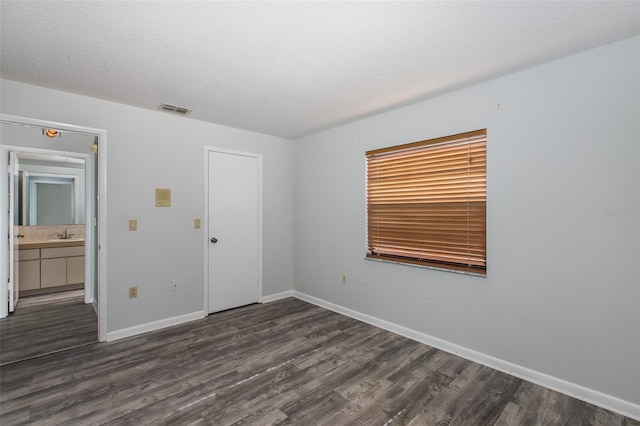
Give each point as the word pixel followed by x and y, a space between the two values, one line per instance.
pixel 133 224
pixel 133 292
pixel 344 278
pixel 174 285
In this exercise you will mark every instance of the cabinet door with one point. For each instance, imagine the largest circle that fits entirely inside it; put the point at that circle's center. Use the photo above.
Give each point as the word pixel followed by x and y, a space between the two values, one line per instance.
pixel 53 272
pixel 75 270
pixel 29 273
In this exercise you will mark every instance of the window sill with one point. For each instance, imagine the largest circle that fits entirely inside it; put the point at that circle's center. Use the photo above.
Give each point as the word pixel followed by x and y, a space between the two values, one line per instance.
pixel 435 268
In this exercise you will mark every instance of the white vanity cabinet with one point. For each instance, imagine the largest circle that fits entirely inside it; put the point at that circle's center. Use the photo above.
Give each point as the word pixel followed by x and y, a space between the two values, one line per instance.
pixel 60 266
pixel 51 268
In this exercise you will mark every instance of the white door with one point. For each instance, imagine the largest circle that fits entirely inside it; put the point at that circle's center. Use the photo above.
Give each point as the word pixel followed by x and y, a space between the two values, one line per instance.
pixel 234 229
pixel 13 226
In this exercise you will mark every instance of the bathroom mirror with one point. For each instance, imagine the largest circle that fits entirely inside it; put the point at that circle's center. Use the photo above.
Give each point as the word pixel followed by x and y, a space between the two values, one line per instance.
pixel 51 190
pixel 49 199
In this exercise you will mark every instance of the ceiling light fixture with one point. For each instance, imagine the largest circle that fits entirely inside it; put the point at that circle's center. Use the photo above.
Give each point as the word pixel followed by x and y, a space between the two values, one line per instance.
pixel 52 133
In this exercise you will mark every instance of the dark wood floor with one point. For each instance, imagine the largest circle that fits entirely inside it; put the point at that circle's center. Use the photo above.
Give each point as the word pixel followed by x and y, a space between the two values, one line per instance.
pixel 285 363
pixel 47 323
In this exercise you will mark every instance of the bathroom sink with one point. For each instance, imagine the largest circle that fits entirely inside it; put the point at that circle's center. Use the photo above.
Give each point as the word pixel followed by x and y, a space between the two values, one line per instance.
pixel 62 240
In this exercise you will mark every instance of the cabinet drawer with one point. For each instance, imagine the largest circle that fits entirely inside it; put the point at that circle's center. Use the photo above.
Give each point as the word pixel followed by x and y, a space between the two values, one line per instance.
pixel 29 254
pixel 49 253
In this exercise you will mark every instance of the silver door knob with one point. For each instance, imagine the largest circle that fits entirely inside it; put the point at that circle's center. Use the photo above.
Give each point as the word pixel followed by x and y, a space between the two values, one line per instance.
pixel 214 240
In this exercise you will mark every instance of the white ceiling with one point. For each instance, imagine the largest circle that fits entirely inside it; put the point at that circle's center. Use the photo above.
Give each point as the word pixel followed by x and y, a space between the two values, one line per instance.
pixel 291 68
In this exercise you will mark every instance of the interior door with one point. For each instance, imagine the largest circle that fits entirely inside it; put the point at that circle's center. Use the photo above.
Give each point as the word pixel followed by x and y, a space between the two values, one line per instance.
pixel 234 230
pixel 13 226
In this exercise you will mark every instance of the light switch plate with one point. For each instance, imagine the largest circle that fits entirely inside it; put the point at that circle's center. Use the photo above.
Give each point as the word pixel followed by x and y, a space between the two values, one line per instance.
pixel 163 197
pixel 133 224
pixel 196 223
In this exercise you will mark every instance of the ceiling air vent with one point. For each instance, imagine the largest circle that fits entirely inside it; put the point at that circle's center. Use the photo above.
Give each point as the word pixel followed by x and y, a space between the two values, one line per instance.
pixel 176 109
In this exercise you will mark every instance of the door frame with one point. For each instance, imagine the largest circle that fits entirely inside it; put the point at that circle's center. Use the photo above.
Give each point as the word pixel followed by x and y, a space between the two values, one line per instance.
pixel 13 287
pixel 206 232
pixel 90 246
pixel 6 151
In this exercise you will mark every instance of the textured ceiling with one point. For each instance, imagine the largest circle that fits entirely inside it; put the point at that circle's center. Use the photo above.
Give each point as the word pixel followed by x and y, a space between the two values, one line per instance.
pixel 291 68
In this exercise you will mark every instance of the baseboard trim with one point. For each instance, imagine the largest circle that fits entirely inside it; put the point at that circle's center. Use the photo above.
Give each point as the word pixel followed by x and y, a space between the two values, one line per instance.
pixel 582 393
pixel 276 296
pixel 168 322
pixel 154 325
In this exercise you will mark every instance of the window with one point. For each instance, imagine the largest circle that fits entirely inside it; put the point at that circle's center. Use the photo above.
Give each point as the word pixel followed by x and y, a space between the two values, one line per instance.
pixel 426 203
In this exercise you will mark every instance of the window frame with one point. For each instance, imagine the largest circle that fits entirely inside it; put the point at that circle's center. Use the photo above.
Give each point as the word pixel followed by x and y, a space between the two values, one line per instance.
pixel 476 263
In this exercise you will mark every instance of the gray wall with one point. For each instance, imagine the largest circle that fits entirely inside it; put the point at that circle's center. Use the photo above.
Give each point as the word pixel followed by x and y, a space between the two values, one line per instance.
pixel 32 137
pixel 152 149
pixel 562 293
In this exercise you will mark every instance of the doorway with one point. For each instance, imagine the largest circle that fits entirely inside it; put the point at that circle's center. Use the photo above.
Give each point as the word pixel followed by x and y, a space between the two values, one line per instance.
pixel 49 199
pixel 233 267
pixel 94 252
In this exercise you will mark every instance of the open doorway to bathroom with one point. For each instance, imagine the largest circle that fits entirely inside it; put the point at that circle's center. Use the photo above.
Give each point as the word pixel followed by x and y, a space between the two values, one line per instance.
pixel 52 257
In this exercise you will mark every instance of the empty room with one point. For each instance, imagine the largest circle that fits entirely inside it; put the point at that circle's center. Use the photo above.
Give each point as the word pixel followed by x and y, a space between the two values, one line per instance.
pixel 320 213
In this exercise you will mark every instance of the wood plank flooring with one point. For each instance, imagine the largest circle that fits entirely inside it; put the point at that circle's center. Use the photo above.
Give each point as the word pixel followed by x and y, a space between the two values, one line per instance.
pixel 281 363
pixel 47 323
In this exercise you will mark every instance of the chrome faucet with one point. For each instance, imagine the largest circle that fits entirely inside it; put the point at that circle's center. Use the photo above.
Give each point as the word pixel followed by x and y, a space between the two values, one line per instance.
pixel 66 236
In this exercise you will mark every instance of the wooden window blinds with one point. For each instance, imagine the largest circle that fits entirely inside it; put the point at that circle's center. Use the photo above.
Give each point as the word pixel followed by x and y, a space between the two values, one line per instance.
pixel 426 202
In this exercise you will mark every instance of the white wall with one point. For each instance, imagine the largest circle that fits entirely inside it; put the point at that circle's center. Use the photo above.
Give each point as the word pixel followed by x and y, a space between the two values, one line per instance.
pixel 562 292
pixel 152 149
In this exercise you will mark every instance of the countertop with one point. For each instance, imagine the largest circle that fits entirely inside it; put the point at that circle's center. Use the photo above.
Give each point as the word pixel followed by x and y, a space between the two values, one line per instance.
pixel 50 244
